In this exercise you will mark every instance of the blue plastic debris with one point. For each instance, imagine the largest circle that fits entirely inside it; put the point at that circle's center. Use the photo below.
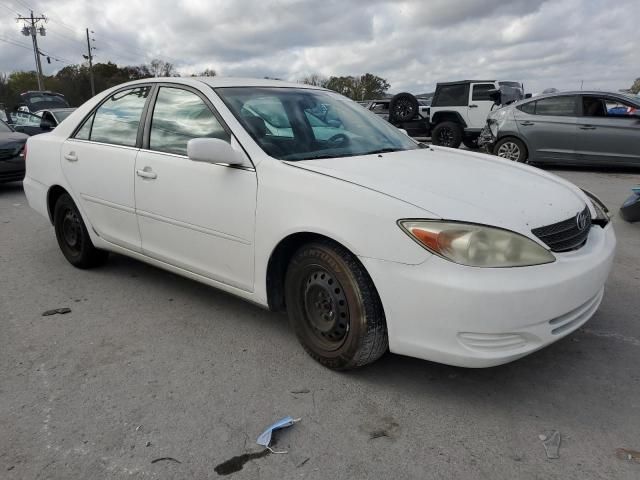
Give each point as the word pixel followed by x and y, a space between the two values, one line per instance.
pixel 264 438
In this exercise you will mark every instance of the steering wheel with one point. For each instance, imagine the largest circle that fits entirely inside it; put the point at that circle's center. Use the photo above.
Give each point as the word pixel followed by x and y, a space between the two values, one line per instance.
pixel 338 139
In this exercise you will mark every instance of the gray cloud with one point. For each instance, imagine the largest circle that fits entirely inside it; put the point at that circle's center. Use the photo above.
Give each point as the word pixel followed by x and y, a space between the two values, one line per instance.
pixel 412 43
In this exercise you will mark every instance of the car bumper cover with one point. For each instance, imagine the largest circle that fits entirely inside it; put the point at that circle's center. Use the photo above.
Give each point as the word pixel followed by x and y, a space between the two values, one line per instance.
pixel 481 317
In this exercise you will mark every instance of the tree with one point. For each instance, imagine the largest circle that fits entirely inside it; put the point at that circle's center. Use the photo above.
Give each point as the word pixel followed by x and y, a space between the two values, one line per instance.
pixel 635 88
pixel 316 80
pixel 160 68
pixel 364 87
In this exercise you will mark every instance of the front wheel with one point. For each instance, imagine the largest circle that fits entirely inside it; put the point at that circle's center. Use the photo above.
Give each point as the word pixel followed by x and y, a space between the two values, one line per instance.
pixel 334 307
pixel 73 238
pixel 511 149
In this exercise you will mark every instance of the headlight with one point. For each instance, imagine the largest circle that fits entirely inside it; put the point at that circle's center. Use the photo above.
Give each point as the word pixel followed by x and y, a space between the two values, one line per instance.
pixel 476 245
pixel 493 126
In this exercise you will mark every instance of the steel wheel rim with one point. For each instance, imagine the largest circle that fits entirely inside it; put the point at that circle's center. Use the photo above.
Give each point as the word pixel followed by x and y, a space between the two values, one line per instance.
pixel 72 231
pixel 325 309
pixel 446 137
pixel 510 151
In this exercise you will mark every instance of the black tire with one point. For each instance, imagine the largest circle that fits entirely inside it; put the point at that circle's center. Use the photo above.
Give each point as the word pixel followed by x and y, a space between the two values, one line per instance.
pixel 334 308
pixel 630 210
pixel 73 238
pixel 511 148
pixel 447 134
pixel 471 143
pixel 403 107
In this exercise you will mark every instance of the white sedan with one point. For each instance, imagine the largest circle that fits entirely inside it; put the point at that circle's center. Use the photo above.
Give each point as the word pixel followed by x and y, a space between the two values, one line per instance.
pixel 297 199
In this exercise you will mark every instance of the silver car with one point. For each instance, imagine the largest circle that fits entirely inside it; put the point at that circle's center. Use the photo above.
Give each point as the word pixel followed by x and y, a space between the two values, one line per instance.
pixel 570 128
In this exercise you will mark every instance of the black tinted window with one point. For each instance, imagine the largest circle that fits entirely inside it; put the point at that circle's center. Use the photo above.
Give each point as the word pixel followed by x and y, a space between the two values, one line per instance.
pixel 557 106
pixel 452 95
pixel 179 116
pixel 481 92
pixel 117 119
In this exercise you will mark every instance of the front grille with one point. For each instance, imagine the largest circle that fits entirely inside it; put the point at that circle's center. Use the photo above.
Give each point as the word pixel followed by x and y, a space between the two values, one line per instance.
pixel 565 235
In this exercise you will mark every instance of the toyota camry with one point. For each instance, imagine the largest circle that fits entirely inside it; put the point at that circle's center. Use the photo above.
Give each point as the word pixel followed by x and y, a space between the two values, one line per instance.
pixel 297 199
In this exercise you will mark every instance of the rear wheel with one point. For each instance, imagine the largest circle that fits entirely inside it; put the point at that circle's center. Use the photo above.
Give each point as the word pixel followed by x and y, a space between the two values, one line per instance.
pixel 72 235
pixel 447 134
pixel 334 307
pixel 511 149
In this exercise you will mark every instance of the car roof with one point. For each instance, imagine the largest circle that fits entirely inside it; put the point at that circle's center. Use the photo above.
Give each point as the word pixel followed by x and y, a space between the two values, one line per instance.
pixel 465 81
pixel 217 82
pixel 584 92
pixel 65 109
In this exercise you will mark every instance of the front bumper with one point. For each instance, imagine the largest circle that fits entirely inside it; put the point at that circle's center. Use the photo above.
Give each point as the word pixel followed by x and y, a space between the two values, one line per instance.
pixel 11 168
pixel 481 317
pixel 486 140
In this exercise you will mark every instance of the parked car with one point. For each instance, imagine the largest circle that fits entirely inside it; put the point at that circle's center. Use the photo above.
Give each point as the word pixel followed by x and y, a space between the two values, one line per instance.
pixel 35 100
pixel 570 128
pixel 459 110
pixel 12 145
pixel 405 112
pixel 39 122
pixel 368 239
pixel 54 116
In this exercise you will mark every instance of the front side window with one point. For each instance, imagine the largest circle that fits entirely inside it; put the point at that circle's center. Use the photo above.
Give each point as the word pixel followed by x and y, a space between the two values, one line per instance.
pixel 618 108
pixel 481 91
pixel 304 124
pixel 116 121
pixel 529 108
pixel 178 116
pixel 564 106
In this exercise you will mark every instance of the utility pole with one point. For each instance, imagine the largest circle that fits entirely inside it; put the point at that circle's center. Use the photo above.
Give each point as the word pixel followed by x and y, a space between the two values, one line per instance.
pixel 33 29
pixel 89 56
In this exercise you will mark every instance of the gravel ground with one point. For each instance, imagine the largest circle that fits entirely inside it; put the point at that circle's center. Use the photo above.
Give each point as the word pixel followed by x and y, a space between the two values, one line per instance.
pixel 149 365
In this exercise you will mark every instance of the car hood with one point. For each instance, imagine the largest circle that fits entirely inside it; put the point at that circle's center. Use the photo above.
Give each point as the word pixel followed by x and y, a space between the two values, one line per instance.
pixel 12 137
pixel 460 185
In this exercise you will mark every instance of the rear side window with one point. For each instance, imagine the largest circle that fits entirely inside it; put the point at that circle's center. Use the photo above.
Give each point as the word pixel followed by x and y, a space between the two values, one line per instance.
pixel 556 106
pixel 481 91
pixel 178 116
pixel 116 121
pixel 452 95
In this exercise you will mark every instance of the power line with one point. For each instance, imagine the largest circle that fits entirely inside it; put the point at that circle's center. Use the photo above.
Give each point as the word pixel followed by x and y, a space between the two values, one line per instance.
pixel 15 43
pixel 10 9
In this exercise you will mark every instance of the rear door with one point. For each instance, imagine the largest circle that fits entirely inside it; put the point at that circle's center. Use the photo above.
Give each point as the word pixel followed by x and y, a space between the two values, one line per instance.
pixel 549 128
pixel 608 131
pixel 99 162
pixel 479 104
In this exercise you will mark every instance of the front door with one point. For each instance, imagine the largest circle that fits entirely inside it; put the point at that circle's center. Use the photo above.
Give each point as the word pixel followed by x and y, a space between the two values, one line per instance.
pixel 99 160
pixel 480 104
pixel 608 131
pixel 193 215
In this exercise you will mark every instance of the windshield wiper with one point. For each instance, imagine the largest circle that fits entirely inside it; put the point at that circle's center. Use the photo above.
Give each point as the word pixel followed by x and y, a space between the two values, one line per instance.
pixel 383 150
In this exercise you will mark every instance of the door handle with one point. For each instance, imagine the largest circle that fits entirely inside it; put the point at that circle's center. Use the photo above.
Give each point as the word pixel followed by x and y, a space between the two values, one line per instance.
pixel 587 127
pixel 473 105
pixel 146 172
pixel 71 156
pixel 527 123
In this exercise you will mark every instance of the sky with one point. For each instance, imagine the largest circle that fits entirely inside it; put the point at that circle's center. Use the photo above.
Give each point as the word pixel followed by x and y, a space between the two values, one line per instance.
pixel 412 43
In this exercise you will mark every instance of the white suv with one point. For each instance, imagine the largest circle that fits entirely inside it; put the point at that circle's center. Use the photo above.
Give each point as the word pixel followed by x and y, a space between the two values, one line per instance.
pixel 459 109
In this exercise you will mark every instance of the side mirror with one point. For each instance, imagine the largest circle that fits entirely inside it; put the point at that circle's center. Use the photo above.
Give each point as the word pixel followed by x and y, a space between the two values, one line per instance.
pixel 527 95
pixel 47 125
pixel 213 150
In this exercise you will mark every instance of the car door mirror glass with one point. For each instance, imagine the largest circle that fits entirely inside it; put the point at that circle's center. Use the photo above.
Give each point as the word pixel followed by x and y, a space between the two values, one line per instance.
pixel 495 95
pixel 213 150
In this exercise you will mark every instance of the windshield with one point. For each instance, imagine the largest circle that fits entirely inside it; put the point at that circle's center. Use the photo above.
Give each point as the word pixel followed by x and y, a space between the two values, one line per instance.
pixel 304 124
pixel 511 92
pixel 44 101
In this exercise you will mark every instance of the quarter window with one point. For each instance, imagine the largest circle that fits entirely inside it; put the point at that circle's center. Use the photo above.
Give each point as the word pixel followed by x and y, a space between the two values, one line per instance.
pixel 116 121
pixel 179 116
pixel 556 106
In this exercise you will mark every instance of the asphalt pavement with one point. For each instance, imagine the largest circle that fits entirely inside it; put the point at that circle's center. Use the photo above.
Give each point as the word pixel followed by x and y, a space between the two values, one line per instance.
pixel 155 376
